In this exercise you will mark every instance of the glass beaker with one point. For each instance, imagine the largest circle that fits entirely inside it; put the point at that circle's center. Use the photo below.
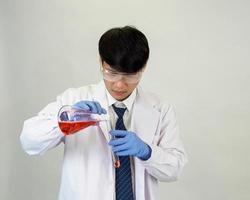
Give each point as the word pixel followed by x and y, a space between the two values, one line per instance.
pixel 72 120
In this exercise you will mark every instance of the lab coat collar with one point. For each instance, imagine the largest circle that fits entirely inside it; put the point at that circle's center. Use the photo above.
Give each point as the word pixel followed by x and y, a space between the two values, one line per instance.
pixel 128 103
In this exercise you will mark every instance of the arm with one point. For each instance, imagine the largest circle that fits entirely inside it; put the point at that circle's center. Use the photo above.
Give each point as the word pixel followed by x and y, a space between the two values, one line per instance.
pixel 41 133
pixel 168 156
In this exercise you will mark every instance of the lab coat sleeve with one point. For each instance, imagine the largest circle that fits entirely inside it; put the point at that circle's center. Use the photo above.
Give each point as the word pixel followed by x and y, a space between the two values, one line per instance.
pixel 41 133
pixel 168 155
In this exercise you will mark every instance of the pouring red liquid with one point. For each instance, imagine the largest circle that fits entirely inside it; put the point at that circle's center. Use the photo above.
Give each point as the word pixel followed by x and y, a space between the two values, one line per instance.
pixel 70 127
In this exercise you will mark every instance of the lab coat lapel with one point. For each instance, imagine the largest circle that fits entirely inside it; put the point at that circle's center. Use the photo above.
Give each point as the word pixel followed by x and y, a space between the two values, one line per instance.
pixel 99 94
pixel 145 119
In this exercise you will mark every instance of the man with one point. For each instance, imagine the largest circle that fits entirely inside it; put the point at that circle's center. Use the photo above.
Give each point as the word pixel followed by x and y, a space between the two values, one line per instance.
pixel 142 130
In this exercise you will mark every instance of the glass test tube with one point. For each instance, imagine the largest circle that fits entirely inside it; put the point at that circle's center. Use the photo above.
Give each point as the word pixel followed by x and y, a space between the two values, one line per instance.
pixel 116 158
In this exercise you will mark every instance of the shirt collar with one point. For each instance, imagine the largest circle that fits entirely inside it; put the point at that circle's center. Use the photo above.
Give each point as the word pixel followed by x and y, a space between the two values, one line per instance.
pixel 128 103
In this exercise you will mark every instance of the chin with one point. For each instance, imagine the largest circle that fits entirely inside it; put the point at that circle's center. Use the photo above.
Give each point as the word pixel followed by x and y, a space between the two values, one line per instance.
pixel 120 98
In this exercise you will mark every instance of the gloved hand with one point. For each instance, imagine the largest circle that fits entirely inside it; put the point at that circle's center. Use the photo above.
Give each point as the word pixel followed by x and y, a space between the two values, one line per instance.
pixel 129 144
pixel 92 106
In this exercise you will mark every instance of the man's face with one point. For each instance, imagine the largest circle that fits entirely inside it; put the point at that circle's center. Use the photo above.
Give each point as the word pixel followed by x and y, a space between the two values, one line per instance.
pixel 120 89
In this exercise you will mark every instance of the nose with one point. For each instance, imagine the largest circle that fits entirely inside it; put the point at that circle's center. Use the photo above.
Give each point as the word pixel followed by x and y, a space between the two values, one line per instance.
pixel 120 84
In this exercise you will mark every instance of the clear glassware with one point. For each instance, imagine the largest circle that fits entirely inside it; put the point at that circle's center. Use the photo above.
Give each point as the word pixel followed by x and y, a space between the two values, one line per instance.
pixel 72 120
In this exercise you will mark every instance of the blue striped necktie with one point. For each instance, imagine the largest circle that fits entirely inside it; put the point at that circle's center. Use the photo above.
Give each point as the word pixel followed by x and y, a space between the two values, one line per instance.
pixel 123 178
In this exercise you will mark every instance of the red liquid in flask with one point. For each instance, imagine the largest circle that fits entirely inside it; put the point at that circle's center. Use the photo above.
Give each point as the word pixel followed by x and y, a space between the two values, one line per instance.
pixel 69 127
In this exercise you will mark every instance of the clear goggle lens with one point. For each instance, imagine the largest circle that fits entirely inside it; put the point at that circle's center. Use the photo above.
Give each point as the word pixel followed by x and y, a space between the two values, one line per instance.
pixel 116 76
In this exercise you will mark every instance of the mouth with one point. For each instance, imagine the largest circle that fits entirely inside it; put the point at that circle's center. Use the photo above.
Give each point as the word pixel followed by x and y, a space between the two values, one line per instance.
pixel 119 93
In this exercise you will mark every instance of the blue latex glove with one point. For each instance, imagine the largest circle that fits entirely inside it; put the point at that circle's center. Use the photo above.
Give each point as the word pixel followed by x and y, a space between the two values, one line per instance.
pixel 92 106
pixel 129 144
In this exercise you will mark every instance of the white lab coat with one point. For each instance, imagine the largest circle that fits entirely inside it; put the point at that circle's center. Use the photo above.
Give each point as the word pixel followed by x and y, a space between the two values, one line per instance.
pixel 88 172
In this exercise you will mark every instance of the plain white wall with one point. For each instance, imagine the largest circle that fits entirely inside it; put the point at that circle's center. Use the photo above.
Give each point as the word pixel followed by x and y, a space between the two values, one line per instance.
pixel 199 62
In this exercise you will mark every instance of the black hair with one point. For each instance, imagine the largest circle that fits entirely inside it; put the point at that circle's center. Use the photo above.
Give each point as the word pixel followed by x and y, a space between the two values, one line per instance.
pixel 125 49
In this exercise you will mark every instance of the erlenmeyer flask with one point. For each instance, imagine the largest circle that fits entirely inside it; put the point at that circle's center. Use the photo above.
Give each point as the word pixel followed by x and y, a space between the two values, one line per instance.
pixel 72 120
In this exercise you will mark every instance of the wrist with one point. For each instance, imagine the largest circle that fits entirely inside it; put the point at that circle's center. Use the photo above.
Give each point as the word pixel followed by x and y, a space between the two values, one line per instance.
pixel 147 153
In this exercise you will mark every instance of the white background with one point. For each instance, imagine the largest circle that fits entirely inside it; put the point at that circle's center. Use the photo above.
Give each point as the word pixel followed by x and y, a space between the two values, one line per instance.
pixel 199 62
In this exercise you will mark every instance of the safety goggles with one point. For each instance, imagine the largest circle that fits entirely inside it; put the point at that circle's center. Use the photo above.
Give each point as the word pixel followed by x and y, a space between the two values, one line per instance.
pixel 113 76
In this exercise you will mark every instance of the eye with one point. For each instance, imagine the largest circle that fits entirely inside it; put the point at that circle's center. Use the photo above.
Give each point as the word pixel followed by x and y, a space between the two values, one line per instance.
pixel 113 73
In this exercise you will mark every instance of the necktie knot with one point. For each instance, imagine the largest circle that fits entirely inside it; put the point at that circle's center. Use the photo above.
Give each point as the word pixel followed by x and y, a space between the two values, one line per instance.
pixel 119 111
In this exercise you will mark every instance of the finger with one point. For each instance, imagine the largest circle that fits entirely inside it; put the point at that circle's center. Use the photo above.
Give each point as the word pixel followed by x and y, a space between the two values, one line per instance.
pixel 119 148
pixel 104 111
pixel 118 133
pixel 81 105
pixel 93 107
pixel 115 142
pixel 98 106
